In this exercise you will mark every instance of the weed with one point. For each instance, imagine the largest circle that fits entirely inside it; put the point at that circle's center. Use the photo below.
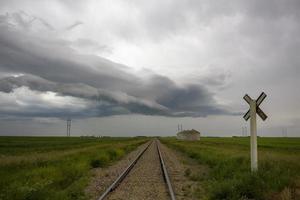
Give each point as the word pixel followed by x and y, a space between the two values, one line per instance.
pixel 229 175
pixel 55 167
pixel 101 161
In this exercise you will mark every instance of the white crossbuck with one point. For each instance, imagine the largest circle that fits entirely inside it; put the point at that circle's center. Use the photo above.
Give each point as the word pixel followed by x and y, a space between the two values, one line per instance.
pixel 259 100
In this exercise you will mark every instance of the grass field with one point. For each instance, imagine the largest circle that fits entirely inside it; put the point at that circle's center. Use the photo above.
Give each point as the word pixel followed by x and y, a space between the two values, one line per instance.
pixel 55 167
pixel 228 175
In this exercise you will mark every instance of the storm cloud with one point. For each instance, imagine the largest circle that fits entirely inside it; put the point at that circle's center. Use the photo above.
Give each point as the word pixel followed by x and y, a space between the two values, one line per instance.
pixel 37 64
pixel 172 60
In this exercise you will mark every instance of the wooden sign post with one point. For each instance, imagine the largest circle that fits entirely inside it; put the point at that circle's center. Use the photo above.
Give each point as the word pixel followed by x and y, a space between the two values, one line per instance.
pixel 254 108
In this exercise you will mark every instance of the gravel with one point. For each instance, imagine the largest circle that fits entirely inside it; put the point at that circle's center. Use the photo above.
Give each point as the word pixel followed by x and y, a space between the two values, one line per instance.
pixel 104 177
pixel 145 181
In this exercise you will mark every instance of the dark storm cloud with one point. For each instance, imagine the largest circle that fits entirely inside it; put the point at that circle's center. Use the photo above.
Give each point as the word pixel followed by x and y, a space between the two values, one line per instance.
pixel 103 102
pixel 215 52
pixel 8 84
pixel 190 101
pixel 103 87
pixel 54 61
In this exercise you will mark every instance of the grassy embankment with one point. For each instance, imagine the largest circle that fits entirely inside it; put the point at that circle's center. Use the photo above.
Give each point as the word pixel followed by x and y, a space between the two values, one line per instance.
pixel 228 161
pixel 55 167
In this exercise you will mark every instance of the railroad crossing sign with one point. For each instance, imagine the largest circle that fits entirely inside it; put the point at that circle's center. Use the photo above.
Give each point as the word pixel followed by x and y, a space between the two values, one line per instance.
pixel 251 113
pixel 259 100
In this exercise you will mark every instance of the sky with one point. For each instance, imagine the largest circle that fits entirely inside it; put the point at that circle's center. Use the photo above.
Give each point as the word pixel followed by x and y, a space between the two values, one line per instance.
pixel 127 68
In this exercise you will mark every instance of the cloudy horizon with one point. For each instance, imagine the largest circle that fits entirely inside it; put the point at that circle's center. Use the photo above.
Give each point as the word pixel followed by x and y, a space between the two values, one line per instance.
pixel 126 68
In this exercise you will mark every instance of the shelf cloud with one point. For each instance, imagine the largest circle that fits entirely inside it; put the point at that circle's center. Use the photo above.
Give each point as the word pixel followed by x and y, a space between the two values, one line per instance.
pixel 103 87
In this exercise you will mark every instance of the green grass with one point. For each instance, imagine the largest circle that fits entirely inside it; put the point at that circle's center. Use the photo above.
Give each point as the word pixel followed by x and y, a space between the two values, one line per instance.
pixel 55 167
pixel 228 160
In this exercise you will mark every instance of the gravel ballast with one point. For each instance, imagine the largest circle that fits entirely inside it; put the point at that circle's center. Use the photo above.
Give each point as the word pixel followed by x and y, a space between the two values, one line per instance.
pixel 103 177
pixel 145 180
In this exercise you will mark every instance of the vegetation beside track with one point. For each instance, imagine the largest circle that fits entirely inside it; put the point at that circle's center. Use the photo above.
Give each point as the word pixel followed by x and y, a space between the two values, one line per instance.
pixel 228 161
pixel 55 167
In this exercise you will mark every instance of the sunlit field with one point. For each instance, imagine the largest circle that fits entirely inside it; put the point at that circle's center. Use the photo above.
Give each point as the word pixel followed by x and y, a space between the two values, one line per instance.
pixel 228 173
pixel 55 167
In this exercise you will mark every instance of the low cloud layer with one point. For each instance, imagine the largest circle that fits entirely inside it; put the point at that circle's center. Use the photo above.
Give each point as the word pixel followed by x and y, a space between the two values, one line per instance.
pixel 49 71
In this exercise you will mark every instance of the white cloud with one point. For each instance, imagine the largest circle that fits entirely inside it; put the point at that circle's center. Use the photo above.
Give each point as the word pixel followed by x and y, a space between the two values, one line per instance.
pixel 24 101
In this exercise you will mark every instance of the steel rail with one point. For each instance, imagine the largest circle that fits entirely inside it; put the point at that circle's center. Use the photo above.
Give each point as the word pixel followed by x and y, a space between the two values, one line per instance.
pixel 123 174
pixel 165 173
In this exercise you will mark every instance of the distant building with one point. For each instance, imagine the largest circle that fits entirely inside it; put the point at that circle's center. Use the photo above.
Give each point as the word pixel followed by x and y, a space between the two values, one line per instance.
pixel 190 135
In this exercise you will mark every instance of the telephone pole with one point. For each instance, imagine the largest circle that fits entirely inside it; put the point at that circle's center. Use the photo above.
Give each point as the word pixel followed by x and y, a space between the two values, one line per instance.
pixel 69 127
pixel 284 132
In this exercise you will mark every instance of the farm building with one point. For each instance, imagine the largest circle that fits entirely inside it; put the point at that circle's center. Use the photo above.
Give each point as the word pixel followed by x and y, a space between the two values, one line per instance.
pixel 188 135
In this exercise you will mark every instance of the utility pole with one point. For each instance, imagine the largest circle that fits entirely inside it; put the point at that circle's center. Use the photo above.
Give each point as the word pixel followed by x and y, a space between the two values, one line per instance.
pixel 69 127
pixel 284 132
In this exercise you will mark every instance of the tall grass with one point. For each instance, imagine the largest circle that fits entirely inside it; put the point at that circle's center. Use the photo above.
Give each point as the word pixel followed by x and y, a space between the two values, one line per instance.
pixel 229 163
pixel 55 168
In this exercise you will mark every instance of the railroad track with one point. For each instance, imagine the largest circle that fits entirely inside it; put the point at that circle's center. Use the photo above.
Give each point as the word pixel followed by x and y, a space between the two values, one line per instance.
pixel 143 171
